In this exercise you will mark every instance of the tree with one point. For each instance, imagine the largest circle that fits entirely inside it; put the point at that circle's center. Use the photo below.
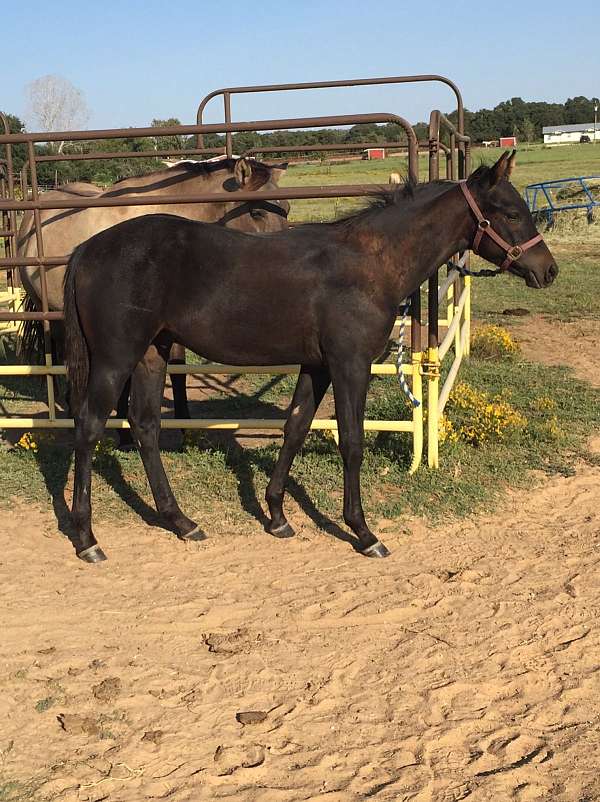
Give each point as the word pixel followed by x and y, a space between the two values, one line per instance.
pixel 54 104
pixel 19 152
pixel 528 129
pixel 579 110
pixel 364 132
pixel 176 142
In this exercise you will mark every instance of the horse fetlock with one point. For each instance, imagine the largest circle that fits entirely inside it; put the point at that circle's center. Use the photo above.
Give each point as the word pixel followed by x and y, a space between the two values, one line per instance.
pixel 355 519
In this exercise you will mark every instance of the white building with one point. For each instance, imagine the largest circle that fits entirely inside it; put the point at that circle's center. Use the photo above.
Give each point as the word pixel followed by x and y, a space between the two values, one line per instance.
pixel 564 134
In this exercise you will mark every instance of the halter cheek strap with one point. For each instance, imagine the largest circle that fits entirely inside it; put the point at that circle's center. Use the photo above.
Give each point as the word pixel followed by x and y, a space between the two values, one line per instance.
pixel 513 252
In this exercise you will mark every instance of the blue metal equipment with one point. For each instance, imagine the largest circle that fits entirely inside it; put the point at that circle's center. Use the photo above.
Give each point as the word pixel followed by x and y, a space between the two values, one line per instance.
pixel 548 197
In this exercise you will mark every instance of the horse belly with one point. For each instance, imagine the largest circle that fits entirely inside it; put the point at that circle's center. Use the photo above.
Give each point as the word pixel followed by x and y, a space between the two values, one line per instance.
pixel 252 338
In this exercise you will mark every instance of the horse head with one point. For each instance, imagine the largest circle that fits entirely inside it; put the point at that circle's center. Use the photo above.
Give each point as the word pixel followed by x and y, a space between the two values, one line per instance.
pixel 260 216
pixel 506 234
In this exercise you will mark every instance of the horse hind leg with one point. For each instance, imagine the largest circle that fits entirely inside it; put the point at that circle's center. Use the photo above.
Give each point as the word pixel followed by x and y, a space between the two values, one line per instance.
pixel 124 435
pixel 104 385
pixel 144 417
pixel 178 383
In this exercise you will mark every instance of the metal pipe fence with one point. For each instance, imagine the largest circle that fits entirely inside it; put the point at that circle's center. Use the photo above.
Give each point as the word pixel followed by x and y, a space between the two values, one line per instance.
pixel 456 155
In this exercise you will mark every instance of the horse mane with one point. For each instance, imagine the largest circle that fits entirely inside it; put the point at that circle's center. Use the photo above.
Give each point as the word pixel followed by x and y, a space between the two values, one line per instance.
pixel 401 195
pixel 202 168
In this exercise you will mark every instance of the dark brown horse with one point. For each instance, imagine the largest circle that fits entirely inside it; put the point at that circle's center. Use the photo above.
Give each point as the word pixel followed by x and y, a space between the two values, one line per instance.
pixel 323 295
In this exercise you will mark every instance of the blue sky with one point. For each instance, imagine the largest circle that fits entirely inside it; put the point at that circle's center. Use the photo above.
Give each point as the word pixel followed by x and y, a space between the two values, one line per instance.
pixel 137 60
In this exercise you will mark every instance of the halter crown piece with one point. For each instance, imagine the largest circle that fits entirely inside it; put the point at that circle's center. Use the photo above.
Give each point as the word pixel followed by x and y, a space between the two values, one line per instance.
pixel 513 252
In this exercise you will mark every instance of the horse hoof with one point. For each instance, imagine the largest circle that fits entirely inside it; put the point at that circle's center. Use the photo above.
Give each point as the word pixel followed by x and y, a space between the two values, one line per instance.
pixel 376 550
pixel 282 531
pixel 194 536
pixel 93 554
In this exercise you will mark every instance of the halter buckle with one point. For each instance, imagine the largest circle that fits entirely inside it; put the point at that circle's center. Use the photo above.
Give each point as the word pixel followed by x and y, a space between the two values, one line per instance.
pixel 483 224
pixel 515 253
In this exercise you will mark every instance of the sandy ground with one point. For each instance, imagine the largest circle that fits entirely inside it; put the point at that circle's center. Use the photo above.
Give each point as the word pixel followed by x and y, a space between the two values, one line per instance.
pixel 465 665
pixel 246 668
pixel 555 342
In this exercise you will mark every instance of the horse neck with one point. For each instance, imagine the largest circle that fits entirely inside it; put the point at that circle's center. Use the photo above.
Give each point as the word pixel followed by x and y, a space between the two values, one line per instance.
pixel 422 236
pixel 168 182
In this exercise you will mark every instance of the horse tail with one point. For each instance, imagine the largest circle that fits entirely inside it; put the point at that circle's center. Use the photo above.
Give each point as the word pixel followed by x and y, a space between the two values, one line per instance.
pixel 31 342
pixel 77 357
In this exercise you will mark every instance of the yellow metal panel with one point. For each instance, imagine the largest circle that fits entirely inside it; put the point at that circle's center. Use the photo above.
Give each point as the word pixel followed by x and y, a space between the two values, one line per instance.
pixel 211 369
pixel 257 424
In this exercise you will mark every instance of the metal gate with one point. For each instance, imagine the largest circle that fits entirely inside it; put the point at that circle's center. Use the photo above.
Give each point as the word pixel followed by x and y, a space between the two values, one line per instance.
pixel 454 292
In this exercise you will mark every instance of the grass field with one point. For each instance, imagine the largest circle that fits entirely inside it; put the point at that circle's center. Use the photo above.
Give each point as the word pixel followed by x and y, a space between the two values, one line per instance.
pixel 533 164
pixel 224 483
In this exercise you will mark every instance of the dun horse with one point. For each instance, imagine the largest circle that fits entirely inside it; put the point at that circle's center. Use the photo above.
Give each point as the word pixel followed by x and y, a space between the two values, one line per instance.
pixel 321 295
pixel 64 229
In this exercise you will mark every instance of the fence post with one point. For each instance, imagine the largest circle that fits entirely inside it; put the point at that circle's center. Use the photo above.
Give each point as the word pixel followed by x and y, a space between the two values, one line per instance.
pixel 43 282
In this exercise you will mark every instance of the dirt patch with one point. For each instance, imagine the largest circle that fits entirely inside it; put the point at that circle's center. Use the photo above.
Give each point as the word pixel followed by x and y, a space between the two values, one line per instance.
pixel 553 342
pixel 259 670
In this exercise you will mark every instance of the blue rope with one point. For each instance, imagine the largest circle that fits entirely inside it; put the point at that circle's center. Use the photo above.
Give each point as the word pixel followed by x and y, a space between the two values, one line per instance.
pixel 404 307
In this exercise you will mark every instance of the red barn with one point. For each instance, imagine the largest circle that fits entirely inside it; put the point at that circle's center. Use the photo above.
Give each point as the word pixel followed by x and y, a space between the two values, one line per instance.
pixel 508 141
pixel 374 153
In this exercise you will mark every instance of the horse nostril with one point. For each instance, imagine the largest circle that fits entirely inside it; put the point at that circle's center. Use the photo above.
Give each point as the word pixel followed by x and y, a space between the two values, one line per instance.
pixel 551 272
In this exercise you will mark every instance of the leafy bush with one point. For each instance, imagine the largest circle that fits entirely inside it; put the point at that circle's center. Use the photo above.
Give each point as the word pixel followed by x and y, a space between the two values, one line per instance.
pixel 476 417
pixel 493 342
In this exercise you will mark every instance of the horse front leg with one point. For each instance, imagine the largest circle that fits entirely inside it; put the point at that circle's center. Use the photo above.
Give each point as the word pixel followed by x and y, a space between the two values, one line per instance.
pixel 350 382
pixel 310 389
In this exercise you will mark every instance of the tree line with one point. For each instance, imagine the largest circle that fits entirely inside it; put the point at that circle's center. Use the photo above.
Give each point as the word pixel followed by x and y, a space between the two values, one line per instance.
pixel 514 117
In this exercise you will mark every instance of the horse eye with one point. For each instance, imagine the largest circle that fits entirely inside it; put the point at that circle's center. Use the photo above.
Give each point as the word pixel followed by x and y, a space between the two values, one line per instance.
pixel 512 217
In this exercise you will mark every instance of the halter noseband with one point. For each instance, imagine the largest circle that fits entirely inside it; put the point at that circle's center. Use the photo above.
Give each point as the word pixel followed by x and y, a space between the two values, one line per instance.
pixel 513 252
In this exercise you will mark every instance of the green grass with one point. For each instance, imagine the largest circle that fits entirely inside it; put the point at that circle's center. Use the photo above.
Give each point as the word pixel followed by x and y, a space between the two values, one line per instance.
pixel 575 293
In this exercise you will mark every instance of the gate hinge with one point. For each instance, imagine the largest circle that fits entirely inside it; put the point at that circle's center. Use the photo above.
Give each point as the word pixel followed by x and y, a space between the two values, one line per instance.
pixel 430 369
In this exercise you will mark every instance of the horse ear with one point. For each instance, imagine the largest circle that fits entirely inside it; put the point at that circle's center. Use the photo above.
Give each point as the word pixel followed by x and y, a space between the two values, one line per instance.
pixel 511 164
pixel 500 170
pixel 242 172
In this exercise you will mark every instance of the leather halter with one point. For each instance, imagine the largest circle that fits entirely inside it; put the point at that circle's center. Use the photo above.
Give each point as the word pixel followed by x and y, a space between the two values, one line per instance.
pixel 513 252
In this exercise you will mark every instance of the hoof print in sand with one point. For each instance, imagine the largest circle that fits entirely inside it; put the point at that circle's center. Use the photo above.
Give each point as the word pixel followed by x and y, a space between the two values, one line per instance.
pixel 230 758
pixel 78 725
pixel 250 716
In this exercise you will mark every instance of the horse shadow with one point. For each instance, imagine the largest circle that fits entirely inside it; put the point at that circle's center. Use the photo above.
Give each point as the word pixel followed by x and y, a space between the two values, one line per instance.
pixel 54 462
pixel 244 462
